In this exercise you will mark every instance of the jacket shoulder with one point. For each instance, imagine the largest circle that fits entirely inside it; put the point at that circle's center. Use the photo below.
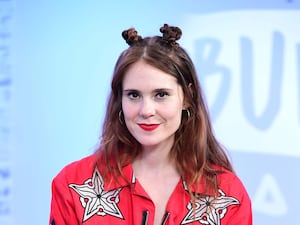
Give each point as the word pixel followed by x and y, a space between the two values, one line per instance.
pixel 79 168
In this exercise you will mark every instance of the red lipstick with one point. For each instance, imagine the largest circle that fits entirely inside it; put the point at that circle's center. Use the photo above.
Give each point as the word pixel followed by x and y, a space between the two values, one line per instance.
pixel 148 127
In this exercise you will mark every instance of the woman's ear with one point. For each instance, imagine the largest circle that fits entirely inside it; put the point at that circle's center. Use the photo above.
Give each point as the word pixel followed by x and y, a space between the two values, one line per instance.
pixel 191 89
pixel 186 103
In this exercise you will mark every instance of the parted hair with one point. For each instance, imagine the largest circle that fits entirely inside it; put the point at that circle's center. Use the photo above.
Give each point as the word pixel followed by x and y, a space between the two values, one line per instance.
pixel 195 149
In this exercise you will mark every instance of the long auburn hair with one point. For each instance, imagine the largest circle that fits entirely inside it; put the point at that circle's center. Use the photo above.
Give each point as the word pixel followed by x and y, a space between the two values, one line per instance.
pixel 195 149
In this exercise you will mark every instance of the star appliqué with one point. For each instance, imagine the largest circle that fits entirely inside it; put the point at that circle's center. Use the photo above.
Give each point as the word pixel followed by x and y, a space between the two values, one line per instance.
pixel 209 210
pixel 95 200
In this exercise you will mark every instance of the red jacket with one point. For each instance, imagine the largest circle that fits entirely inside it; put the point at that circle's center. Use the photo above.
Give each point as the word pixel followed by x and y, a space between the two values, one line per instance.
pixel 79 196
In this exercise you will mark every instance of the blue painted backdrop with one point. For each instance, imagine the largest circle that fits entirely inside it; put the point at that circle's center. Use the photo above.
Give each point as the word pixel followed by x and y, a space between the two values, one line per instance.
pixel 56 61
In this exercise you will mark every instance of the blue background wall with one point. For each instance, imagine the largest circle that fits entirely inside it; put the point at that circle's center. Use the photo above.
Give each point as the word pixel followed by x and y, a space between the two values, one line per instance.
pixel 56 61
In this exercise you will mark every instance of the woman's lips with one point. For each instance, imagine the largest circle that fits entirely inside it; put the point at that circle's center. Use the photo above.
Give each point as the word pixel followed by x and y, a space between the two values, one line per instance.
pixel 148 127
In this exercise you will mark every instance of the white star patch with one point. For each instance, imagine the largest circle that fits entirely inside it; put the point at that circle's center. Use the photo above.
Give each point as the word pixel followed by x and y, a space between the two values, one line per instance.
pixel 95 200
pixel 209 210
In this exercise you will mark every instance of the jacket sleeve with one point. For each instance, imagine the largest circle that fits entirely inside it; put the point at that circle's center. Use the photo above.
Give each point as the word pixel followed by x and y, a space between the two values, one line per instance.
pixel 240 214
pixel 62 211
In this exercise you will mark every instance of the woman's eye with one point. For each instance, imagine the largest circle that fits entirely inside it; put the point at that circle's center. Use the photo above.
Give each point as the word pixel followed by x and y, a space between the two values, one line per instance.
pixel 162 94
pixel 133 95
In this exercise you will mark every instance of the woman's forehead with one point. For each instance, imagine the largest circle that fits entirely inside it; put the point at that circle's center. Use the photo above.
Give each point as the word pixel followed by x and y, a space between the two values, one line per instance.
pixel 142 73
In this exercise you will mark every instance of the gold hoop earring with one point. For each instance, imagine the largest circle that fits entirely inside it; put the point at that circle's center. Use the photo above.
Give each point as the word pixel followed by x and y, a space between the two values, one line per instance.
pixel 120 117
pixel 188 113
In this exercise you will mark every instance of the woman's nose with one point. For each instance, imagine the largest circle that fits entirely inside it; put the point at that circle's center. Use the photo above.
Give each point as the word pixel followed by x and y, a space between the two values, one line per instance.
pixel 147 108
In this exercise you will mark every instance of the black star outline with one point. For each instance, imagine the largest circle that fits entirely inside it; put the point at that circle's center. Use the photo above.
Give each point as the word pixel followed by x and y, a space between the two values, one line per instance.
pixel 209 210
pixel 95 200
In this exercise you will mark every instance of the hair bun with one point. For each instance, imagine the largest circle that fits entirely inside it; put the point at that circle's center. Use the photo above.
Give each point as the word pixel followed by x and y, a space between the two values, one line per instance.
pixel 131 36
pixel 171 34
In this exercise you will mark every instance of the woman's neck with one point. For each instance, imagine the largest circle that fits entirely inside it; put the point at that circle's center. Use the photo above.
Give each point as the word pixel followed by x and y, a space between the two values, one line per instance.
pixel 154 161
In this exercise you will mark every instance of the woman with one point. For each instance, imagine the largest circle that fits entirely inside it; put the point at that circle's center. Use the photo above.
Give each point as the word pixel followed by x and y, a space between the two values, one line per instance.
pixel 159 161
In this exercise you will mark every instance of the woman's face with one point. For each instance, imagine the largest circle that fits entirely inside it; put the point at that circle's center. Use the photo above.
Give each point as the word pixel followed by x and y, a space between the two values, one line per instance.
pixel 152 104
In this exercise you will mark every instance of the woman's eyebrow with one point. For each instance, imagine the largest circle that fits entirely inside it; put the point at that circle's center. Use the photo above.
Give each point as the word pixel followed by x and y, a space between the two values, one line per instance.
pixel 162 89
pixel 156 89
pixel 130 89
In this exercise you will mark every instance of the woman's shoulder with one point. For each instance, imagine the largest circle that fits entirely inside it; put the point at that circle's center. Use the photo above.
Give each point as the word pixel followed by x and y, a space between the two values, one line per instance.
pixel 232 193
pixel 80 168
pixel 230 183
pixel 224 175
